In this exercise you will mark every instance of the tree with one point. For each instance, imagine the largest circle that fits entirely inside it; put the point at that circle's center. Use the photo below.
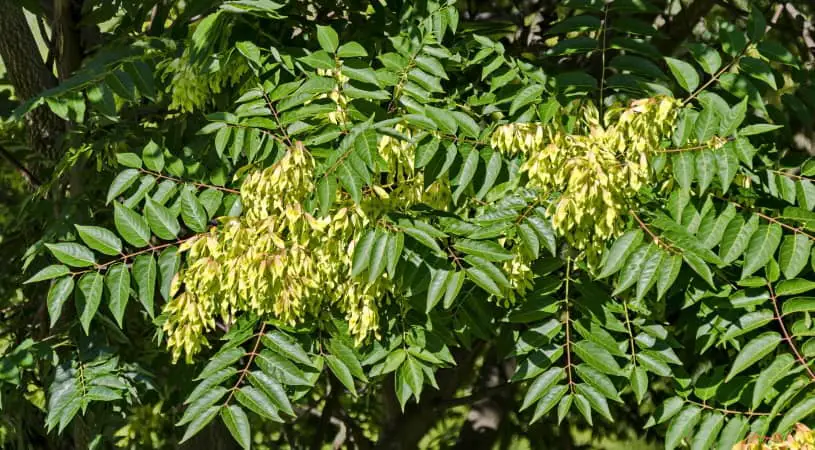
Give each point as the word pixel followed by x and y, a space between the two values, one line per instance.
pixel 409 224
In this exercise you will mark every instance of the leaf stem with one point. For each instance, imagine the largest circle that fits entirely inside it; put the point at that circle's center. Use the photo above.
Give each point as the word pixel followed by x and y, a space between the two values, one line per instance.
pixel 786 334
pixel 718 74
pixel 245 369
pixel 566 324
pixel 196 184
pixel 151 248
pixel 630 334
pixel 772 220
pixel 728 411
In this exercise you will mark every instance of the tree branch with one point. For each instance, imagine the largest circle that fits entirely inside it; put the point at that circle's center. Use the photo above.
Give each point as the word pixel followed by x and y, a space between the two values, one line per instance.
pixel 27 174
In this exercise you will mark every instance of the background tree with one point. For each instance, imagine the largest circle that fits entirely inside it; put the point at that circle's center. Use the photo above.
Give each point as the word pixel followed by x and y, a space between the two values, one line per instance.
pixel 525 224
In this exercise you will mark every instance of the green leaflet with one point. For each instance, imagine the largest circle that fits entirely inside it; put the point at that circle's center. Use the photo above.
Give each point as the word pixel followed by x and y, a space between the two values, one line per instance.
pixel 685 74
pixel 756 349
pixel 761 247
pixel 238 424
pixel 615 257
pixel 681 426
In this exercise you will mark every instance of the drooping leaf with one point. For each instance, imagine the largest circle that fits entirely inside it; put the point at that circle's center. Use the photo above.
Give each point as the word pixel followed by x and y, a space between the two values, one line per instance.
pixel 117 280
pixel 681 426
pixel 541 386
pixel 48 273
pixel 144 272
pixel 761 248
pixel 793 255
pixel 161 220
pixel 622 247
pixel 89 290
pixel 193 212
pixel 59 292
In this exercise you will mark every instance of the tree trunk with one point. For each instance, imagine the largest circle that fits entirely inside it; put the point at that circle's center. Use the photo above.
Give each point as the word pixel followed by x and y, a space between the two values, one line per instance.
pixel 481 429
pixel 67 14
pixel 29 76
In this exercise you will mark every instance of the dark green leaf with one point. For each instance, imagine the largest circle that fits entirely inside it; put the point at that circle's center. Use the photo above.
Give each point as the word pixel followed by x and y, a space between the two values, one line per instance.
pixel 144 272
pixel 57 295
pixel 238 424
pixel 753 351
pixel 72 254
pixel 132 226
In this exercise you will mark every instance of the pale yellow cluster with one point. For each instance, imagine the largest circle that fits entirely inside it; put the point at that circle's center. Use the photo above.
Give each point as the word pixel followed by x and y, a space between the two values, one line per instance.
pixel 146 426
pixel 593 171
pixel 275 261
pixel 802 438
pixel 520 276
pixel 404 185
pixel 193 86
pixel 340 115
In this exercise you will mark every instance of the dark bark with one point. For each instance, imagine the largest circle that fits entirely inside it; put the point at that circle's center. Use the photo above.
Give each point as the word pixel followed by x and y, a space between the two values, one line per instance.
pixel 481 429
pixel 29 76
pixel 67 14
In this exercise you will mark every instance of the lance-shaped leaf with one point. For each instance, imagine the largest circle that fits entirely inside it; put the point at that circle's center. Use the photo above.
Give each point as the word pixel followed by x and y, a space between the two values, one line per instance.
pixel 161 220
pixel 48 273
pixel 59 292
pixel 238 425
pixel 761 248
pixel 753 351
pixel 89 290
pixel 132 226
pixel 100 239
pixel 144 272
pixel 117 280
pixel 681 426
pixel 72 254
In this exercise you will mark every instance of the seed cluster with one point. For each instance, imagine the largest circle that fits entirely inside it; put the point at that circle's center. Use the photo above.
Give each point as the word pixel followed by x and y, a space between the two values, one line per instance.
pixel 280 261
pixel 802 438
pixel 595 170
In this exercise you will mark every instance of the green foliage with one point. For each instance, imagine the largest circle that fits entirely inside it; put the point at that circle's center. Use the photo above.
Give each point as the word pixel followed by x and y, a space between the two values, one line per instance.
pixel 690 312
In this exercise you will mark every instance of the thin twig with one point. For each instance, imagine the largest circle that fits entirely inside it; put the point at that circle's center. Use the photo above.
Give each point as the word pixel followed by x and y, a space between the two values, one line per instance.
pixel 276 117
pixel 718 74
pixel 196 184
pixel 728 411
pixel 772 220
pixel 27 174
pixel 787 336
pixel 791 175
pixel 654 237
pixel 568 349
pixel 103 266
pixel 245 369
